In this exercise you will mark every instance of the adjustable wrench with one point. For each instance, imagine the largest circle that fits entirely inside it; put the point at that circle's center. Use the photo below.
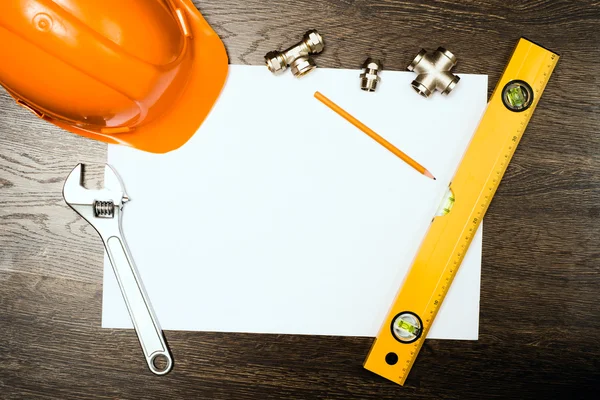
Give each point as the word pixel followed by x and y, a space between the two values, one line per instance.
pixel 103 209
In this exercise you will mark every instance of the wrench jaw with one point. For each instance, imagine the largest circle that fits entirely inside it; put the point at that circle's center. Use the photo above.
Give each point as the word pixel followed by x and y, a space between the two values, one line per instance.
pixel 73 190
pixel 113 183
pixel 84 201
pixel 75 193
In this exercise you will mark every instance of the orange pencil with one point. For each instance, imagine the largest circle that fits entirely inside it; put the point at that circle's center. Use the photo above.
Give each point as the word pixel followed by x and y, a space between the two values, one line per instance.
pixel 344 114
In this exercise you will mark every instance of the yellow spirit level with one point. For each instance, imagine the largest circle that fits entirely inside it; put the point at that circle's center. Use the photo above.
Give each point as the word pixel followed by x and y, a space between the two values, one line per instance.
pixel 471 191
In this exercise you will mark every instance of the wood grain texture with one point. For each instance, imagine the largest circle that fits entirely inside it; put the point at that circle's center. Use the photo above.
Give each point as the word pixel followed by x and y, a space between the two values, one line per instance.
pixel 540 319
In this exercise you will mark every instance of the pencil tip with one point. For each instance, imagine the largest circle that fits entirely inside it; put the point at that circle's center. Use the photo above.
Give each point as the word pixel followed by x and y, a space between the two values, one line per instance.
pixel 429 175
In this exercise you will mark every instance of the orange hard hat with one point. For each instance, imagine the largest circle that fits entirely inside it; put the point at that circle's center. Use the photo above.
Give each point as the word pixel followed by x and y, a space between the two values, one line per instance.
pixel 143 73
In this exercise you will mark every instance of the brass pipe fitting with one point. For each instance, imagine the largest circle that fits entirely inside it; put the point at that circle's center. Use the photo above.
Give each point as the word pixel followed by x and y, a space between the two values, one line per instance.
pixel 298 56
pixel 433 72
pixel 370 77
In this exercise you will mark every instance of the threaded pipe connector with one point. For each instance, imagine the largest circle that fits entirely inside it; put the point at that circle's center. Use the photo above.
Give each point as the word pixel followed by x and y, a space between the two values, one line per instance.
pixel 370 77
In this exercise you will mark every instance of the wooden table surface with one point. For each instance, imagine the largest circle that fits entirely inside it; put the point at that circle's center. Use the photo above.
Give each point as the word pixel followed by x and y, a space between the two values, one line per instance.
pixel 540 319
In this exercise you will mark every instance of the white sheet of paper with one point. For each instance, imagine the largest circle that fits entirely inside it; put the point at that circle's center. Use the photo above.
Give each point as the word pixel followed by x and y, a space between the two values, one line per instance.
pixel 279 216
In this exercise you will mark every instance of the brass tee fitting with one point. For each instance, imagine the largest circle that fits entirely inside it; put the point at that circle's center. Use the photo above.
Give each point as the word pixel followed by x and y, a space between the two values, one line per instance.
pixel 298 56
pixel 433 72
pixel 370 77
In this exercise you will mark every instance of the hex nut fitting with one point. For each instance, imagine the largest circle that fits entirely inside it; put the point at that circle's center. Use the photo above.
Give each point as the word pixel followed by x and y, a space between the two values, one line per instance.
pixel 314 41
pixel 298 57
pixel 434 72
pixel 302 66
pixel 370 77
pixel 275 61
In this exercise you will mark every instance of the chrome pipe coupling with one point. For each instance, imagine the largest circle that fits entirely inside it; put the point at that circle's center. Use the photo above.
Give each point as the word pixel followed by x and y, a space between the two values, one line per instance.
pixel 434 72
pixel 298 57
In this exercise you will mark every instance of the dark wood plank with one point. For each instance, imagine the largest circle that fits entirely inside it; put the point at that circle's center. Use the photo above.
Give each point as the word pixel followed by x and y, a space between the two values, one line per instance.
pixel 540 320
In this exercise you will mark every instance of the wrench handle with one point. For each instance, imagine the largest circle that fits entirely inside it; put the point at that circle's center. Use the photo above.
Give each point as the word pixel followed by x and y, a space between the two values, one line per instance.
pixel 139 307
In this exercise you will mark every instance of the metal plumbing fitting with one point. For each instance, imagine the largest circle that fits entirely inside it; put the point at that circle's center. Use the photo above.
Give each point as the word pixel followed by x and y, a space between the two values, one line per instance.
pixel 370 78
pixel 433 72
pixel 298 56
